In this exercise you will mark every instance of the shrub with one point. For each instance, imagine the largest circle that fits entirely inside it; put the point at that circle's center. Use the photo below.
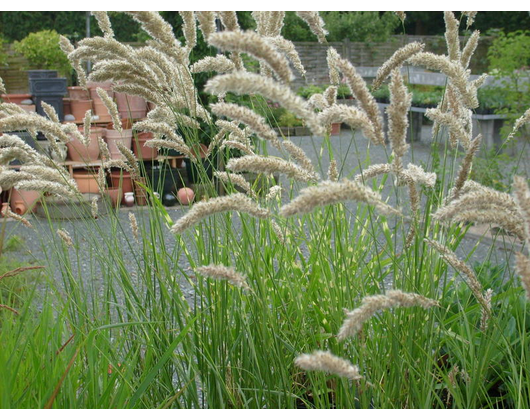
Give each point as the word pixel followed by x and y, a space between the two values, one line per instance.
pixel 509 57
pixel 43 52
pixel 3 53
pixel 361 26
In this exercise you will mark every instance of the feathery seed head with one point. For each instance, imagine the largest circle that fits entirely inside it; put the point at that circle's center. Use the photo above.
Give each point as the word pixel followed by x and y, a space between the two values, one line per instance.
pixel 327 362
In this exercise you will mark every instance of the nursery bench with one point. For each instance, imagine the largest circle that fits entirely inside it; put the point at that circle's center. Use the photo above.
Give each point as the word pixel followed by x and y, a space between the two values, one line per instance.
pixel 489 125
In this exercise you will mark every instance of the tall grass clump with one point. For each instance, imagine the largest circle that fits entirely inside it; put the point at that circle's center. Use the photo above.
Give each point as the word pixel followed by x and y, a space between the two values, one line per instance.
pixel 314 285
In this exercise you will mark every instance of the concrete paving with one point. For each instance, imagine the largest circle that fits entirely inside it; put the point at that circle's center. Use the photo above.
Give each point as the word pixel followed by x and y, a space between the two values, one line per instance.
pixel 351 151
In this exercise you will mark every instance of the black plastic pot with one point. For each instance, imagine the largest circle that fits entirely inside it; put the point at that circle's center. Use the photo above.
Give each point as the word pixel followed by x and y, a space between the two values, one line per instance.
pixel 169 152
pixel 54 100
pixel 45 86
pixel 42 74
pixel 195 172
pixel 30 141
pixel 50 86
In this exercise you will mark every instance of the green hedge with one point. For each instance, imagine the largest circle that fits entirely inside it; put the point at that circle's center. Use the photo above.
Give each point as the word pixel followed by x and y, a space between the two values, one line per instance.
pixel 15 26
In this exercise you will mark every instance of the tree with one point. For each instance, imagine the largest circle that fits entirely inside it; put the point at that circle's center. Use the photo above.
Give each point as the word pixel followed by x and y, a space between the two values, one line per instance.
pixel 42 51
pixel 15 26
pixel 356 26
pixel 360 26
pixel 432 23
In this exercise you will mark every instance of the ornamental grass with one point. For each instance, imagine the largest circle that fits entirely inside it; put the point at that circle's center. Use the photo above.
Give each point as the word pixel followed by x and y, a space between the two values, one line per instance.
pixel 337 286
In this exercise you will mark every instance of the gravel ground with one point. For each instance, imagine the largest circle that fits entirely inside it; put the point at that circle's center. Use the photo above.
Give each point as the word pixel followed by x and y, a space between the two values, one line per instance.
pixel 351 153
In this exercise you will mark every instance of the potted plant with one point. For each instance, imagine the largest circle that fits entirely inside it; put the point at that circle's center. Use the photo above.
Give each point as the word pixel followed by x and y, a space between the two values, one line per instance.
pixel 307 91
pixel 43 53
pixel 46 60
pixel 287 124
pixel 343 92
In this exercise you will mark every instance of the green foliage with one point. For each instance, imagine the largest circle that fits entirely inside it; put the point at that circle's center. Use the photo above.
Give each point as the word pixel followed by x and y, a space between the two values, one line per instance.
pixel 356 26
pixel 43 52
pixel 343 91
pixel 432 23
pixel 510 53
pixel 288 119
pixel 491 99
pixel 491 171
pixel 130 323
pixel 509 57
pixel 360 26
pixel 422 96
pixel 17 25
pixel 13 244
pixel 3 54
pixel 14 290
pixel 308 90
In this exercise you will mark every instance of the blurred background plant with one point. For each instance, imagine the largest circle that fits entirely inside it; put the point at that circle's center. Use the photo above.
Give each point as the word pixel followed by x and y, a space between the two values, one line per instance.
pixel 3 53
pixel 509 58
pixel 43 52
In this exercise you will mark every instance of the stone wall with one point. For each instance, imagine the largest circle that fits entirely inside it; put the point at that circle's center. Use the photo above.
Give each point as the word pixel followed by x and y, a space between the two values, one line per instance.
pixel 312 54
pixel 362 54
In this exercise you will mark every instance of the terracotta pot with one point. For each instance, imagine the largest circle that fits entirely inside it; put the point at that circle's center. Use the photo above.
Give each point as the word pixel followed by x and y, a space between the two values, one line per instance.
pixel 23 201
pixel 87 182
pixel 67 106
pixel 203 150
pixel 120 178
pixel 81 153
pixel 140 193
pixel 80 107
pixel 131 106
pixel 16 98
pixel 99 107
pixel 126 124
pixel 141 151
pixel 185 196
pixel 111 136
pixel 5 206
pixel 78 93
pixel 104 85
pixel 19 207
pixel 115 194
pixel 335 129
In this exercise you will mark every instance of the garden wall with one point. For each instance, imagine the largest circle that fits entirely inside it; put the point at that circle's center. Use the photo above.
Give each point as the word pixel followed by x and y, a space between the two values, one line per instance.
pixel 363 54
pixel 14 76
pixel 312 54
